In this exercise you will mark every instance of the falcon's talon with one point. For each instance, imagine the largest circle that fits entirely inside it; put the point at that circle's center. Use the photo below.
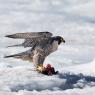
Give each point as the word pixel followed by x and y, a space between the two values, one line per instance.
pixel 40 68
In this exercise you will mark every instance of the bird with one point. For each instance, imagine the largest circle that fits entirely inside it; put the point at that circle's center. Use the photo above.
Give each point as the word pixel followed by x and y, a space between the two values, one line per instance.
pixel 42 44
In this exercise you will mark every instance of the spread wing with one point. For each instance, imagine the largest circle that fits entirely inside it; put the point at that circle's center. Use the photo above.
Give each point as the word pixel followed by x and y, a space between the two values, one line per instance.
pixel 29 56
pixel 29 35
pixel 32 39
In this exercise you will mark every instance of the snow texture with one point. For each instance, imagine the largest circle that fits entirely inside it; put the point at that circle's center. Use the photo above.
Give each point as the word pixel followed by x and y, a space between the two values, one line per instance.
pixel 75 60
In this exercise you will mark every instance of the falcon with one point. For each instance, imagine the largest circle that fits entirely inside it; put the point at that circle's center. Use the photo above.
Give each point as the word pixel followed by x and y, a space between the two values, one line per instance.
pixel 42 44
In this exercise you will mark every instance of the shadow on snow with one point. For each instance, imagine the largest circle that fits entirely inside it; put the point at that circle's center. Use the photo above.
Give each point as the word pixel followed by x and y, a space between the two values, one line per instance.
pixel 72 81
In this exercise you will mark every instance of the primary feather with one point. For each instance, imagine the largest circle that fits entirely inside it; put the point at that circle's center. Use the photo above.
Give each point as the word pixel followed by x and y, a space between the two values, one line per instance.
pixel 31 38
pixel 29 35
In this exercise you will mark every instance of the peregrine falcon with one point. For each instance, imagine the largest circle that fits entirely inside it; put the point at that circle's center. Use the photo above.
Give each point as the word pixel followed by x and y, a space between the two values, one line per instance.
pixel 42 44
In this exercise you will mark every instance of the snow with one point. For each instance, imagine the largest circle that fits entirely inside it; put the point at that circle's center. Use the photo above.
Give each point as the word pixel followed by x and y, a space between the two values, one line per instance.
pixel 25 80
pixel 75 60
pixel 87 68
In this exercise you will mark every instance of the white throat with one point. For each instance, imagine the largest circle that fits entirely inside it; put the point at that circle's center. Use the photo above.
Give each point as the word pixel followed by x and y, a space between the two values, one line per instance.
pixel 55 46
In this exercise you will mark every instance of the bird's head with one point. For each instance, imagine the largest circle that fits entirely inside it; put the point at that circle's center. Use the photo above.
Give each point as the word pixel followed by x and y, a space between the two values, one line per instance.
pixel 59 39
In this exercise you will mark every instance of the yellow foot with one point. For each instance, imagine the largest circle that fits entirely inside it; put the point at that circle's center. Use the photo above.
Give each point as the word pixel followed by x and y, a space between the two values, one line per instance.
pixel 40 68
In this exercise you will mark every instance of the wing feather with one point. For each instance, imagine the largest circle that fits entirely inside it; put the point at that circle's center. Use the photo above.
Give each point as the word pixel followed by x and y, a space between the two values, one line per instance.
pixel 27 55
pixel 31 39
pixel 29 35
pixel 34 42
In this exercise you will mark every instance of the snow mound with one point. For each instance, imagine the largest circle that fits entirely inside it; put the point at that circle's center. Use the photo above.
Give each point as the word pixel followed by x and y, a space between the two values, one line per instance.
pixel 24 78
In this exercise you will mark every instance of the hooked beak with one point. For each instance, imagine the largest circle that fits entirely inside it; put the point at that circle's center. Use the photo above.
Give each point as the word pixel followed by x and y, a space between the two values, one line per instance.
pixel 63 40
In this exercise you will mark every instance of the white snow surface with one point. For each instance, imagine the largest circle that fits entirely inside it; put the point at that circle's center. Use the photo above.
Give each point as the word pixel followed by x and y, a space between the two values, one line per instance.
pixel 75 60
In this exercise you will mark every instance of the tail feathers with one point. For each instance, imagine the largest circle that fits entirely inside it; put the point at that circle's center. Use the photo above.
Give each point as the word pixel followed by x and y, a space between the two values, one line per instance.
pixel 9 36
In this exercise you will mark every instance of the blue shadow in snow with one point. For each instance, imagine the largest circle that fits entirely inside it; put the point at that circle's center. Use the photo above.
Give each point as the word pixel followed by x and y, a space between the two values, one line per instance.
pixel 72 81
pixel 76 81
